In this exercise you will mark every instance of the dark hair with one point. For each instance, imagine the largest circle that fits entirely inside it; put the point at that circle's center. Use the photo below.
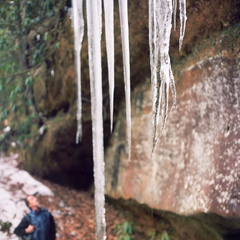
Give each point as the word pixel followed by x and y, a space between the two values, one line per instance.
pixel 26 201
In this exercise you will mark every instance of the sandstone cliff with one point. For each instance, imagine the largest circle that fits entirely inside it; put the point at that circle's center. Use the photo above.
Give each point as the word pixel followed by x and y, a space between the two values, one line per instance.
pixel 195 166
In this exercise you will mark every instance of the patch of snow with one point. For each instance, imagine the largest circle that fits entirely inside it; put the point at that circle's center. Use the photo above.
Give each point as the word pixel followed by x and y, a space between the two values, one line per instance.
pixel 15 185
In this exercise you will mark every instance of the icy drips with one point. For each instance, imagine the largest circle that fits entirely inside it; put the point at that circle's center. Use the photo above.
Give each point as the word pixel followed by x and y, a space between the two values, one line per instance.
pixel 109 31
pixel 78 25
pixel 174 13
pixel 123 9
pixel 160 25
pixel 94 52
pixel 99 8
pixel 183 19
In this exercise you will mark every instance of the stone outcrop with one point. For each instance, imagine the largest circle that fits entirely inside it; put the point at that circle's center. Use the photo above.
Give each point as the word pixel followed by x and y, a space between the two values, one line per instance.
pixel 52 153
pixel 195 166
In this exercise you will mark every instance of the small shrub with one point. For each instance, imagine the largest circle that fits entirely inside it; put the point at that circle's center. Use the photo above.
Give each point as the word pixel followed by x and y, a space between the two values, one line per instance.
pixel 5 226
pixel 125 230
pixel 154 235
pixel 165 236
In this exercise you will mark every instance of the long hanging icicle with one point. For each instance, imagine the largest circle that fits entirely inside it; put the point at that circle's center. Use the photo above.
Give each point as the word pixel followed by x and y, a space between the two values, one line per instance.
pixel 160 25
pixel 94 48
pixel 174 13
pixel 109 31
pixel 161 13
pixel 123 8
pixel 183 19
pixel 78 25
pixel 153 64
pixel 99 8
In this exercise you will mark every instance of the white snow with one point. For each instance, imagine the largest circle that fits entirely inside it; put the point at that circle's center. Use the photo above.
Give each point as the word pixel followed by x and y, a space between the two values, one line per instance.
pixel 16 184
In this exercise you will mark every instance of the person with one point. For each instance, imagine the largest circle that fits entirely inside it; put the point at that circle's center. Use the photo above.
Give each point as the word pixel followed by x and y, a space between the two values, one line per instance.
pixel 39 222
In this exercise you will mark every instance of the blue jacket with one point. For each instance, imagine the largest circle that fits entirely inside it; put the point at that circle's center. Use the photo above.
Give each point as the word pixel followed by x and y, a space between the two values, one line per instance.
pixel 43 222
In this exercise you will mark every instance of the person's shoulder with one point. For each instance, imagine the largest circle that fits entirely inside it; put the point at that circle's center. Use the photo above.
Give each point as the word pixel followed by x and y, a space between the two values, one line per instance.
pixel 27 217
pixel 44 210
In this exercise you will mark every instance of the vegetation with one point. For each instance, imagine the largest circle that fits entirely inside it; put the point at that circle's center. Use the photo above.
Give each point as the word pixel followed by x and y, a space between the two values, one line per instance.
pixel 26 28
pixel 5 226
pixel 125 230
pixel 154 235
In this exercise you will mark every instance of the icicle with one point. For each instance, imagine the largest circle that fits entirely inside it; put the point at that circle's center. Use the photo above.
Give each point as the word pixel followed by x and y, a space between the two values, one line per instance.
pixel 174 13
pixel 153 64
pixel 109 30
pixel 94 48
pixel 99 7
pixel 161 13
pixel 123 9
pixel 183 19
pixel 160 25
pixel 78 26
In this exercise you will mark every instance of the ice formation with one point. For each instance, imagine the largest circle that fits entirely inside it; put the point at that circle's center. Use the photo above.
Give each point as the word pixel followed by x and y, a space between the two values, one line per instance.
pixel 109 32
pixel 94 51
pixel 160 26
pixel 161 13
pixel 78 25
pixel 123 9
pixel 183 19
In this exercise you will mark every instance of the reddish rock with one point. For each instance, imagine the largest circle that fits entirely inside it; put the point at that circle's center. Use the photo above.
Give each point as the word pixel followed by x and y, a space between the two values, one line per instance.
pixel 195 166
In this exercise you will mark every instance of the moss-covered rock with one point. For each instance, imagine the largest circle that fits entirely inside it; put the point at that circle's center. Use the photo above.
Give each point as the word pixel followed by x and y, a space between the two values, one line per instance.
pixel 53 153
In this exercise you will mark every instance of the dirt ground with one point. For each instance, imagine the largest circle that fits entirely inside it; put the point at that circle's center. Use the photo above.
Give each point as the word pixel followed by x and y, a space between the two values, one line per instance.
pixel 74 213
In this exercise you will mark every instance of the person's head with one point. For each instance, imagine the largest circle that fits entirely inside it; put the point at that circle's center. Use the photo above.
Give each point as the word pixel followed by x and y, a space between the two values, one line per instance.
pixel 32 202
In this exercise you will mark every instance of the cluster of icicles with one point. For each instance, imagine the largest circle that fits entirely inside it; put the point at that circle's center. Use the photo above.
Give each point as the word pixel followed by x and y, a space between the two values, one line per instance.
pixel 161 15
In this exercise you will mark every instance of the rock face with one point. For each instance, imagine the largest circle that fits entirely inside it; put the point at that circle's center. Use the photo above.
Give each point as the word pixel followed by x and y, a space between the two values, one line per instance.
pixel 196 165
pixel 51 150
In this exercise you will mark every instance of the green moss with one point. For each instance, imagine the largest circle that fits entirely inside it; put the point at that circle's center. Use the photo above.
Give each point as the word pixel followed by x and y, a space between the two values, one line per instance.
pixel 225 43
pixel 151 223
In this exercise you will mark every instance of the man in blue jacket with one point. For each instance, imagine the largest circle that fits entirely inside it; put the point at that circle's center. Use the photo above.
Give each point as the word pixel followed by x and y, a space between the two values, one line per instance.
pixel 38 224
